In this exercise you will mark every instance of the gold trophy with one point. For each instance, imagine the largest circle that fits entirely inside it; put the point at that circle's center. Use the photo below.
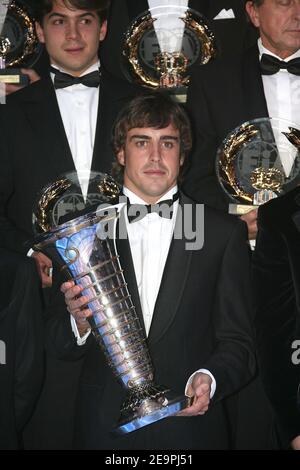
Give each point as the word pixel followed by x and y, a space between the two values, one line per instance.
pixel 162 45
pixel 19 46
pixel 258 161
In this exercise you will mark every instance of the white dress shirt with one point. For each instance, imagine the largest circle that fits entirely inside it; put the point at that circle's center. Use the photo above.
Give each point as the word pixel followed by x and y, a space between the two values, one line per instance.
pixel 282 92
pixel 78 105
pixel 150 240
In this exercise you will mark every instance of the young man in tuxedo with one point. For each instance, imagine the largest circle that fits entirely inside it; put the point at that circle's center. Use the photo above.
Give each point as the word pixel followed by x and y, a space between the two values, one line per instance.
pixel 223 96
pixel 61 123
pixel 276 283
pixel 182 296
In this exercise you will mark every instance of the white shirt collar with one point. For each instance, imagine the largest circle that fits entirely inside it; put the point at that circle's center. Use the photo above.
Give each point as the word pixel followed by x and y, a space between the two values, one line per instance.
pixel 263 50
pixel 134 199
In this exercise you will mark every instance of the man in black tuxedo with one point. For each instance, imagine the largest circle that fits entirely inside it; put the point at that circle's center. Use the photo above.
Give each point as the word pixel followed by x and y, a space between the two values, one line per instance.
pixel 46 131
pixel 223 96
pixel 276 282
pixel 232 30
pixel 183 296
pixel 55 126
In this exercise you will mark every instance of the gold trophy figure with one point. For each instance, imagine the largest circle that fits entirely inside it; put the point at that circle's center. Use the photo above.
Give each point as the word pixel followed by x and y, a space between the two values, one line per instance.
pixel 162 44
pixel 258 161
pixel 19 46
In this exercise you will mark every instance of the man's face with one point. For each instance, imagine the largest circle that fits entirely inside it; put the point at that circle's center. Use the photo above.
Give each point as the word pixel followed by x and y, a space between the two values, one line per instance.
pixel 71 37
pixel 151 160
pixel 279 25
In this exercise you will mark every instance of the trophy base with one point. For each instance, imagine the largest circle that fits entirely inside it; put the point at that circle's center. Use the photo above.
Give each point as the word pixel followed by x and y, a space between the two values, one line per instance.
pixel 14 77
pixel 241 209
pixel 150 411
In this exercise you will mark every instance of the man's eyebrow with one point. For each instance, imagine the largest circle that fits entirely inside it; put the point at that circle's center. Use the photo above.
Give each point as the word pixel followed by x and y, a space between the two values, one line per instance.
pixel 147 137
pixel 140 136
pixel 169 137
pixel 61 15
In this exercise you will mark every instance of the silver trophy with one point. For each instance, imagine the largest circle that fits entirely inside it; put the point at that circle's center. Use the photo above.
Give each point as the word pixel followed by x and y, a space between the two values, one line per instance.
pixel 85 250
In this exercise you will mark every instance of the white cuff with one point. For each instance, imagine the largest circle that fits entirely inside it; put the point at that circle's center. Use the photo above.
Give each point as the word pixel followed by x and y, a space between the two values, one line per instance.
pixel 213 384
pixel 30 252
pixel 81 340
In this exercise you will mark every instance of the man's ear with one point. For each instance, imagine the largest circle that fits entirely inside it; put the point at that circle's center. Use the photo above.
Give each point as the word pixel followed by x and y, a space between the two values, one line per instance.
pixel 103 31
pixel 40 32
pixel 121 157
pixel 253 13
pixel 181 160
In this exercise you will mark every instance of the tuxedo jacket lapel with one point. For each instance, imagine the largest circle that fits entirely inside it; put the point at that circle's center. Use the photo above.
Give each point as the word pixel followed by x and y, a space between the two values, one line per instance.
pixel 101 155
pixel 172 285
pixel 126 261
pixel 43 114
pixel 256 105
pixel 100 129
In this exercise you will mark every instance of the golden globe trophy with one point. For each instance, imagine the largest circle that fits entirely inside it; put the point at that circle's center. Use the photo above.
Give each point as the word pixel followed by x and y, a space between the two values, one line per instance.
pixel 257 161
pixel 163 44
pixel 19 46
pixel 84 248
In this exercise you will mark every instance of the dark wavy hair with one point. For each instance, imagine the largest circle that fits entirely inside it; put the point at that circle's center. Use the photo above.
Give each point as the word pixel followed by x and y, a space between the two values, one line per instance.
pixel 43 7
pixel 156 110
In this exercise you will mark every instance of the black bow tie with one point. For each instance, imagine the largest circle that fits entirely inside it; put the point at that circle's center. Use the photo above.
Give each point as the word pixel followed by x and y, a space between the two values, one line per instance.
pixel 137 212
pixel 270 65
pixel 63 80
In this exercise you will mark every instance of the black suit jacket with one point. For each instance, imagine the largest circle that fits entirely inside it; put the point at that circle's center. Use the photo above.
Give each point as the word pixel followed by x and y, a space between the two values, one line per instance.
pixel 21 330
pixel 200 320
pixel 221 97
pixel 276 277
pixel 34 149
pixel 233 35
